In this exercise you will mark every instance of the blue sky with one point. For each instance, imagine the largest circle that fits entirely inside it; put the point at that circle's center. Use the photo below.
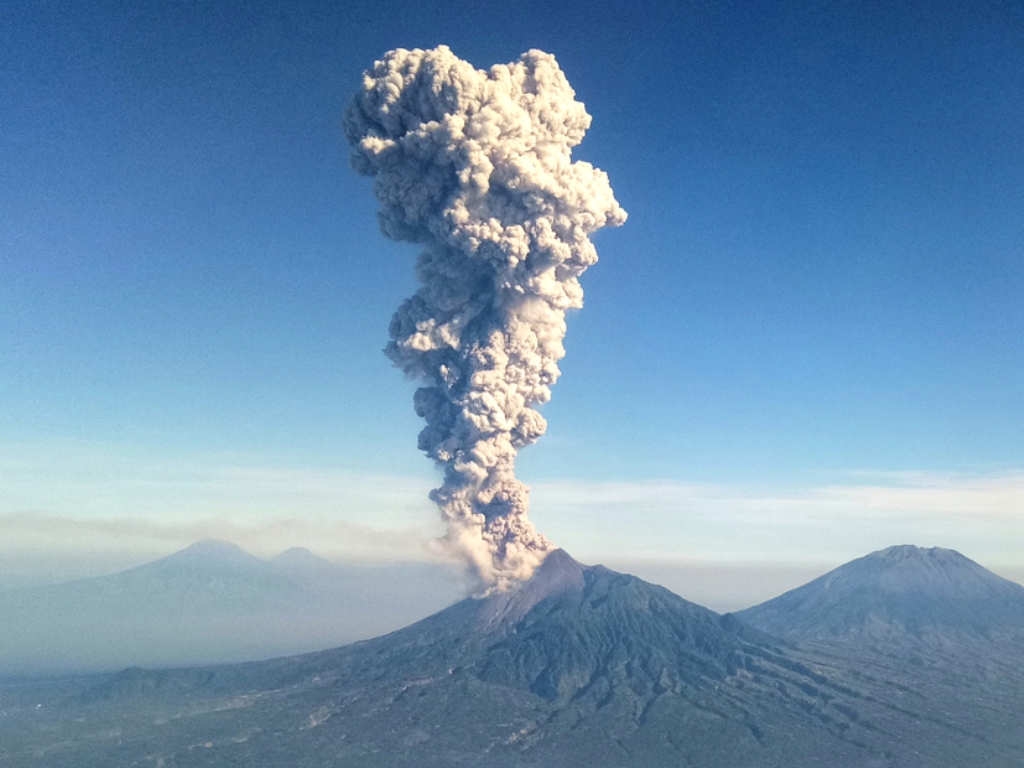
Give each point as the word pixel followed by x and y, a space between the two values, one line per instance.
pixel 820 284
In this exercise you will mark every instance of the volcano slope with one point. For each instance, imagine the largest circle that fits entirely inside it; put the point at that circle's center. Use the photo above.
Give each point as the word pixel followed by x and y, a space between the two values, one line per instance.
pixel 897 596
pixel 580 666
pixel 928 621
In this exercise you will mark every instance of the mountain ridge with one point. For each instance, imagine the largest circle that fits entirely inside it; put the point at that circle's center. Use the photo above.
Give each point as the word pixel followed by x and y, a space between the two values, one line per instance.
pixel 211 602
pixel 905 591
pixel 581 665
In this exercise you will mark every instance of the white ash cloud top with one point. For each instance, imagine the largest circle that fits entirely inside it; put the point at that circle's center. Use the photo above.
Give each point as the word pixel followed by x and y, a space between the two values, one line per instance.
pixel 476 166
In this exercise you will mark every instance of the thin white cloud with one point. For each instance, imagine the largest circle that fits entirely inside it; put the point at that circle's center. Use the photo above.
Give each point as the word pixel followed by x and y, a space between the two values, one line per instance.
pixel 83 498
pixel 982 514
pixel 26 533
pixel 997 496
pixel 76 480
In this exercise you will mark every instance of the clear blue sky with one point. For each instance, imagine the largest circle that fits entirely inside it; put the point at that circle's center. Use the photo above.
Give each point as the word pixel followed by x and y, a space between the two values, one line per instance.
pixel 822 273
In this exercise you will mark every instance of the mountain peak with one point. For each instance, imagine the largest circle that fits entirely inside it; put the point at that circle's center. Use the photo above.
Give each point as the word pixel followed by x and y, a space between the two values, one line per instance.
pixel 206 555
pixel 299 560
pixel 913 552
pixel 295 552
pixel 942 573
pixel 211 548
pixel 896 591
pixel 559 574
pixel 572 627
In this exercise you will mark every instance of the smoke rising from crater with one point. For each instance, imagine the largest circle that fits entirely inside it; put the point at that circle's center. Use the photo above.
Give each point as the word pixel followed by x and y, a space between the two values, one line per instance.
pixel 476 166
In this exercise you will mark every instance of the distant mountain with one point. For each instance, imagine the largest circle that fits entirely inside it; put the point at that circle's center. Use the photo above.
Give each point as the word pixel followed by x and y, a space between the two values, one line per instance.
pixel 206 554
pixel 580 666
pixel 896 593
pixel 210 574
pixel 299 561
pixel 211 603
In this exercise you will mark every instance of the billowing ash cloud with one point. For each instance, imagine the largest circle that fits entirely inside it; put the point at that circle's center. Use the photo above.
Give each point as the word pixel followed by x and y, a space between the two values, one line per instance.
pixel 476 166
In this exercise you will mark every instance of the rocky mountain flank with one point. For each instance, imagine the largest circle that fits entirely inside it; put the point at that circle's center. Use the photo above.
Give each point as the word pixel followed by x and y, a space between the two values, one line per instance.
pixel 580 666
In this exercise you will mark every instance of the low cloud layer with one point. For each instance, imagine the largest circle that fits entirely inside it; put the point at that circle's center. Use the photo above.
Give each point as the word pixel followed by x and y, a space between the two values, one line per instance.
pixel 980 514
pixel 97 481
pixel 91 505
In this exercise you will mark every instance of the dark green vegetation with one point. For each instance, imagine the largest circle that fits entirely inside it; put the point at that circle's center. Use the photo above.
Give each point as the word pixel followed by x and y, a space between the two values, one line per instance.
pixel 580 667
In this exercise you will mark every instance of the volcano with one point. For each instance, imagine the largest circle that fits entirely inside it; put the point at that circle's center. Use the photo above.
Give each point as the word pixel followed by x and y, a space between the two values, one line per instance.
pixel 578 666
pixel 901 593
pixel 211 603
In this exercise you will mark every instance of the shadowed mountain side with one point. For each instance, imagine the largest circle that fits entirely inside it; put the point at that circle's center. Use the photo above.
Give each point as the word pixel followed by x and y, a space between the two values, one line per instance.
pixel 212 603
pixel 904 592
pixel 580 666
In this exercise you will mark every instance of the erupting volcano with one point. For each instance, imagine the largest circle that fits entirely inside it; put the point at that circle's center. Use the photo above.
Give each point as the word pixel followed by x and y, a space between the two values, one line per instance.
pixel 476 167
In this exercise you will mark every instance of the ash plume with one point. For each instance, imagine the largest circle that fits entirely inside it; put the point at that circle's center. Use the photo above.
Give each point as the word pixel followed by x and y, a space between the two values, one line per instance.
pixel 476 167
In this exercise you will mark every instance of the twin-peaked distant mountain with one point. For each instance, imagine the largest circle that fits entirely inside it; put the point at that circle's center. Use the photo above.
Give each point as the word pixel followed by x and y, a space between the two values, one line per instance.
pixel 210 603
pixel 897 594
pixel 579 666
